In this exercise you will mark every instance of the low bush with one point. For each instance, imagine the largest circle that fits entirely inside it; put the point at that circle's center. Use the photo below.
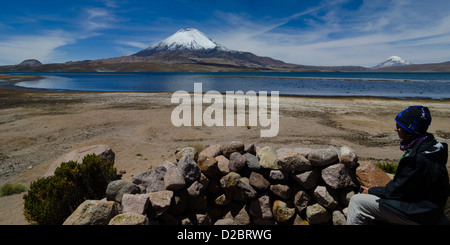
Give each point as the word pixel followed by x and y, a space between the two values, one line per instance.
pixel 387 167
pixel 51 200
pixel 12 188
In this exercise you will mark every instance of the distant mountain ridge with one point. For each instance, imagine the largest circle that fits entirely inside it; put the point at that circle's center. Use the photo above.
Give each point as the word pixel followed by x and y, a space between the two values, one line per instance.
pixel 195 45
pixel 393 61
pixel 189 50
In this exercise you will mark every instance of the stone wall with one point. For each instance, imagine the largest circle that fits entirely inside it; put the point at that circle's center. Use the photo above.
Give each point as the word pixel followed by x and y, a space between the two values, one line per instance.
pixel 234 184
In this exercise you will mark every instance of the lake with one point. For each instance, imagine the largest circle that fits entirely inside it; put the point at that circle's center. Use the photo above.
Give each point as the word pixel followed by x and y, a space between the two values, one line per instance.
pixel 335 84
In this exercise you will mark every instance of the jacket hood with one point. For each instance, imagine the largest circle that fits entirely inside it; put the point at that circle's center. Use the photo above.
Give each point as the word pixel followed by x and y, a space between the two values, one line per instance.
pixel 430 148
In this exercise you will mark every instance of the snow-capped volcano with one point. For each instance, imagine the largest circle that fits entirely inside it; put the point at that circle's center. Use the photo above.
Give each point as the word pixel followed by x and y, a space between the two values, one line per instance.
pixel 392 62
pixel 188 39
pixel 191 45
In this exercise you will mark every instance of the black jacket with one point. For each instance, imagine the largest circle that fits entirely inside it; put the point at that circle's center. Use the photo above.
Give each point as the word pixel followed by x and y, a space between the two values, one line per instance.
pixel 420 188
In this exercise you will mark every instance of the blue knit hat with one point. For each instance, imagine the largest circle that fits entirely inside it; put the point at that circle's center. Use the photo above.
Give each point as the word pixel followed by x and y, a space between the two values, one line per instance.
pixel 415 119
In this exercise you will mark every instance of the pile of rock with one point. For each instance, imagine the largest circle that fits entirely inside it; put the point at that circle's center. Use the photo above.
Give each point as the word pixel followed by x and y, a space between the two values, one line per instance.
pixel 233 184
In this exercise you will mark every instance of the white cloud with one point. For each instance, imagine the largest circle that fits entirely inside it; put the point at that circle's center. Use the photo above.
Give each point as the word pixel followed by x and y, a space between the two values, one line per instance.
pixel 134 44
pixel 15 49
pixel 99 18
pixel 376 30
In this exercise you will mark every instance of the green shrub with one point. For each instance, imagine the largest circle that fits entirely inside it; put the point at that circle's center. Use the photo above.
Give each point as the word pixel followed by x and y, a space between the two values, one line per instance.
pixel 387 167
pixel 12 188
pixel 51 200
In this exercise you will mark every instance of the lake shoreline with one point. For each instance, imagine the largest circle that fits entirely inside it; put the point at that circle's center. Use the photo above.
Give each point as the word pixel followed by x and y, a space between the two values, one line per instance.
pixel 398 86
pixel 39 127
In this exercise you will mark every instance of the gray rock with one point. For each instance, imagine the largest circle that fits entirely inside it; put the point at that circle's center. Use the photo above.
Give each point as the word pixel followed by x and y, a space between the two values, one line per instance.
pixel 324 198
pixel 160 202
pixel 316 214
pixel 258 181
pixel 197 187
pixel 152 180
pixel 348 157
pixel 246 189
pixel 338 218
pixel 188 168
pixel 237 188
pixel 92 212
pixel 323 157
pixel 234 146
pixel 116 189
pixel 301 200
pixel 237 162
pixel 238 213
pixel 227 221
pixel 300 150
pixel 261 207
pixel 229 182
pixel 338 176
pixel 307 179
pixel 267 157
pixel 278 175
pixel 135 203
pixel 173 180
pixel 129 219
pixel 293 161
pixel 282 191
pixel 250 148
pixel 252 161
pixel 187 150
pixel 223 164
pixel 212 151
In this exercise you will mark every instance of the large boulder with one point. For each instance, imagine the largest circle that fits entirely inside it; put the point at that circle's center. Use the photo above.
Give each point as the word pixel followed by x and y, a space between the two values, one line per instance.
pixel 338 176
pixel 135 203
pixel 348 156
pixel 160 202
pixel 292 161
pixel 152 180
pixel 237 162
pixel 173 180
pixel 370 175
pixel 116 189
pixel 129 219
pixel 234 146
pixel 92 212
pixel 307 179
pixel 103 151
pixel 268 158
pixel 188 168
pixel 323 157
pixel 211 151
pixel 187 150
pixel 316 214
pixel 282 212
pixel 261 207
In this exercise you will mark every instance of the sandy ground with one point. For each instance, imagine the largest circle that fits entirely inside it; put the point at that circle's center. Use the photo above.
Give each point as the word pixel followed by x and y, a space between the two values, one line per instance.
pixel 36 128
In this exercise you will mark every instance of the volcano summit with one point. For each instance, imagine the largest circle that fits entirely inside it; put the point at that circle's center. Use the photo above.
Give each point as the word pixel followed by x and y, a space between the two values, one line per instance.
pixel 193 44
pixel 183 40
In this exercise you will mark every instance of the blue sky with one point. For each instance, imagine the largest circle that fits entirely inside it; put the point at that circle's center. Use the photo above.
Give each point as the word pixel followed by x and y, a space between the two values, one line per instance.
pixel 315 32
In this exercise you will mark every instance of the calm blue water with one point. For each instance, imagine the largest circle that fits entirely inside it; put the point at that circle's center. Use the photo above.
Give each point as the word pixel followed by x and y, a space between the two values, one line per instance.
pixel 395 85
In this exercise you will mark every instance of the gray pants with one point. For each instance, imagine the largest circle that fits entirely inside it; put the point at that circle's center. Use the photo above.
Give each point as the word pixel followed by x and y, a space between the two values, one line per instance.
pixel 364 210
